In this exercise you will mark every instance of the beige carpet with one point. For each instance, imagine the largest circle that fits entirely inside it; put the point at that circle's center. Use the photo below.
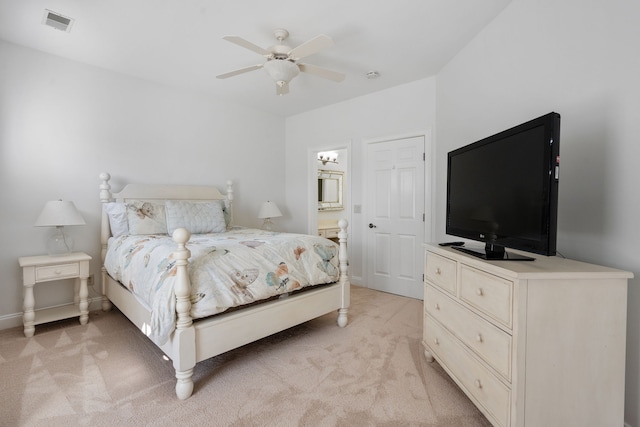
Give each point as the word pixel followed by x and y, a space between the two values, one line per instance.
pixel 106 373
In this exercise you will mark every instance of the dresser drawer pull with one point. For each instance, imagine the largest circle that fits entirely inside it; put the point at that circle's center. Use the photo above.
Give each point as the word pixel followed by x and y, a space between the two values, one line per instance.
pixel 479 292
pixel 438 271
pixel 57 272
pixel 478 384
pixel 437 306
pixel 436 342
pixel 479 338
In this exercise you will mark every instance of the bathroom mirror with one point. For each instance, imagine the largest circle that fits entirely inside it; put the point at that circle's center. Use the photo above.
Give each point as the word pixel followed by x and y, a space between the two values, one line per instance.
pixel 330 190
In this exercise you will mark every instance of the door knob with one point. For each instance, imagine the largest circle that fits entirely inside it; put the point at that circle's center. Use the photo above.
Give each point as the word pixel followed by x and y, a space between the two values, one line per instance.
pixel 372 225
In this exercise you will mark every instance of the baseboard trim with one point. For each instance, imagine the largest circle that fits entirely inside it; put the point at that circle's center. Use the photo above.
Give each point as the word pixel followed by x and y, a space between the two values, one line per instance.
pixel 15 319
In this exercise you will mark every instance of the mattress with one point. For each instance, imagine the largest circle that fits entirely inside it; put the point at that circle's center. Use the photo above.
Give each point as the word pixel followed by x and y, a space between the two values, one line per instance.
pixel 226 270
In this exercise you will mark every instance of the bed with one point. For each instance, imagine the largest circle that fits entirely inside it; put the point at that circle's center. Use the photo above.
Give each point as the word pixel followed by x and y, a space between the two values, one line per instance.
pixel 166 307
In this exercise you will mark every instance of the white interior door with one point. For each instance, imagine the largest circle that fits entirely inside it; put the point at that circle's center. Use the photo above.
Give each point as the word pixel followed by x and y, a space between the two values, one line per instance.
pixel 395 212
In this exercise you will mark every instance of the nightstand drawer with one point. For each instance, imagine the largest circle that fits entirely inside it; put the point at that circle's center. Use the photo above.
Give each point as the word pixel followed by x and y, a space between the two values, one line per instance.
pixel 490 392
pixel 331 233
pixel 492 344
pixel 55 272
pixel 441 271
pixel 488 293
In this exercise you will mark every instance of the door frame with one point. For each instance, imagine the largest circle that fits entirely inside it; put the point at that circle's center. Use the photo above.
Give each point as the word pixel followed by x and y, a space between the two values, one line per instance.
pixel 429 182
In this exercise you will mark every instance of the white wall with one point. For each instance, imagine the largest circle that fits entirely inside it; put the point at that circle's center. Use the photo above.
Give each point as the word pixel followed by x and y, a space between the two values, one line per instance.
pixel 392 112
pixel 580 59
pixel 62 123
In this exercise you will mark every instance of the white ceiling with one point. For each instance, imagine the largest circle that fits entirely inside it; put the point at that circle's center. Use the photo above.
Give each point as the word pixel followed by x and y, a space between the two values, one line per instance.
pixel 179 42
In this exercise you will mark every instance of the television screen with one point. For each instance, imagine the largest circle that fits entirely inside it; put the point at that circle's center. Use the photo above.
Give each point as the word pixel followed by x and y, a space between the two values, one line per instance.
pixel 503 190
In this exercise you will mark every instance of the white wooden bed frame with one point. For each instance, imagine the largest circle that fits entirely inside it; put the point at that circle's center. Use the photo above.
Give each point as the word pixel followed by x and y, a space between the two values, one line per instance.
pixel 197 340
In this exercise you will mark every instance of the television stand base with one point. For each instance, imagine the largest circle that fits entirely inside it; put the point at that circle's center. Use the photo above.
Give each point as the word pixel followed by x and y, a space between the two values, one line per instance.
pixel 494 255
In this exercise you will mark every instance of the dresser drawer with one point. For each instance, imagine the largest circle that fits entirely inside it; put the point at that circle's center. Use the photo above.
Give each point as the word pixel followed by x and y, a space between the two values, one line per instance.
pixel 441 271
pixel 488 293
pixel 56 272
pixel 479 382
pixel 492 344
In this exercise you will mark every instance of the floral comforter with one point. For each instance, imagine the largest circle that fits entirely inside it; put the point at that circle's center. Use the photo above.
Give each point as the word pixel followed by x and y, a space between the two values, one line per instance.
pixel 226 270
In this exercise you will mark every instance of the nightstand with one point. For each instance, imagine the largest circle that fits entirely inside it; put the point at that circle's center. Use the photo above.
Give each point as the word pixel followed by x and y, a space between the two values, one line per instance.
pixel 44 268
pixel 329 231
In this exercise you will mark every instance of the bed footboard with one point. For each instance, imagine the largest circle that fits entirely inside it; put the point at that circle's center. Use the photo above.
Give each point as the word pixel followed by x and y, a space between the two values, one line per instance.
pixel 185 340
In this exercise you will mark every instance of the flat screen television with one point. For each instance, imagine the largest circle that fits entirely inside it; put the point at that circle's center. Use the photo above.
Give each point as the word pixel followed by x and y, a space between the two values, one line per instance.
pixel 503 190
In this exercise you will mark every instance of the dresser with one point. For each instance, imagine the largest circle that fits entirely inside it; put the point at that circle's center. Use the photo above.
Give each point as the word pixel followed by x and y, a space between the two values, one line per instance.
pixel 531 343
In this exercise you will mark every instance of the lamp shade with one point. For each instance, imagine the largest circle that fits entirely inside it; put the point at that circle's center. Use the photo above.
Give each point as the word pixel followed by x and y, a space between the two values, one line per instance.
pixel 59 213
pixel 269 210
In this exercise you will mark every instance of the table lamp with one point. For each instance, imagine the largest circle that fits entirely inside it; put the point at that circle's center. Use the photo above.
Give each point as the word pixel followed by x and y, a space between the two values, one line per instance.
pixel 58 213
pixel 268 210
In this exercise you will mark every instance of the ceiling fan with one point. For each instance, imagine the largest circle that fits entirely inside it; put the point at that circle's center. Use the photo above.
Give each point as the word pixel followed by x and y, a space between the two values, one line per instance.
pixel 282 61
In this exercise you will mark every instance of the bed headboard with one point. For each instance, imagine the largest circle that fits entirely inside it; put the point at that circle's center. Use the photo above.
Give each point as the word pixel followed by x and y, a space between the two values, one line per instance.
pixel 161 192
pixel 151 192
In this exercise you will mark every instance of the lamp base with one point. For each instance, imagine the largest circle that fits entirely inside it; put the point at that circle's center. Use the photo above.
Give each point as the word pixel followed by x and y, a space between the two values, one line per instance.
pixel 267 225
pixel 58 243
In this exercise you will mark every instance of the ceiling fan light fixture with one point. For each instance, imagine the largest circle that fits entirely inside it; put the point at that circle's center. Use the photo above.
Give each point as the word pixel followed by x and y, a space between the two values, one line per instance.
pixel 281 70
pixel 282 61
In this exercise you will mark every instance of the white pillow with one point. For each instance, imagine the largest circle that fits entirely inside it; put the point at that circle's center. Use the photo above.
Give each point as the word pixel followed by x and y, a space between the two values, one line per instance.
pixel 146 217
pixel 197 217
pixel 224 204
pixel 117 213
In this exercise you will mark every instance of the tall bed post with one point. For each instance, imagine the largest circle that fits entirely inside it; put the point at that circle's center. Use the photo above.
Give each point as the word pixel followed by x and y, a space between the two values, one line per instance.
pixel 344 274
pixel 230 202
pixel 105 233
pixel 184 337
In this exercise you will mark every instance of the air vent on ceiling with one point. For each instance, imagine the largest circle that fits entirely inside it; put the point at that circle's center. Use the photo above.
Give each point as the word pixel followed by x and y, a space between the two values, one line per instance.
pixel 55 20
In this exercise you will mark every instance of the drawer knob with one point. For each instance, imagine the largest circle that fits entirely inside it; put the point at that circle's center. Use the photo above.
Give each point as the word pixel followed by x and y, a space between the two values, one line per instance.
pixel 436 342
pixel 479 338
pixel 437 306
pixel 478 384
pixel 438 271
pixel 58 272
pixel 479 292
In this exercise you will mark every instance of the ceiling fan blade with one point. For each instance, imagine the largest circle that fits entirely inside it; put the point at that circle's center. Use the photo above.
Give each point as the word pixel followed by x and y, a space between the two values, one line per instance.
pixel 310 47
pixel 247 45
pixel 240 71
pixel 282 90
pixel 321 72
